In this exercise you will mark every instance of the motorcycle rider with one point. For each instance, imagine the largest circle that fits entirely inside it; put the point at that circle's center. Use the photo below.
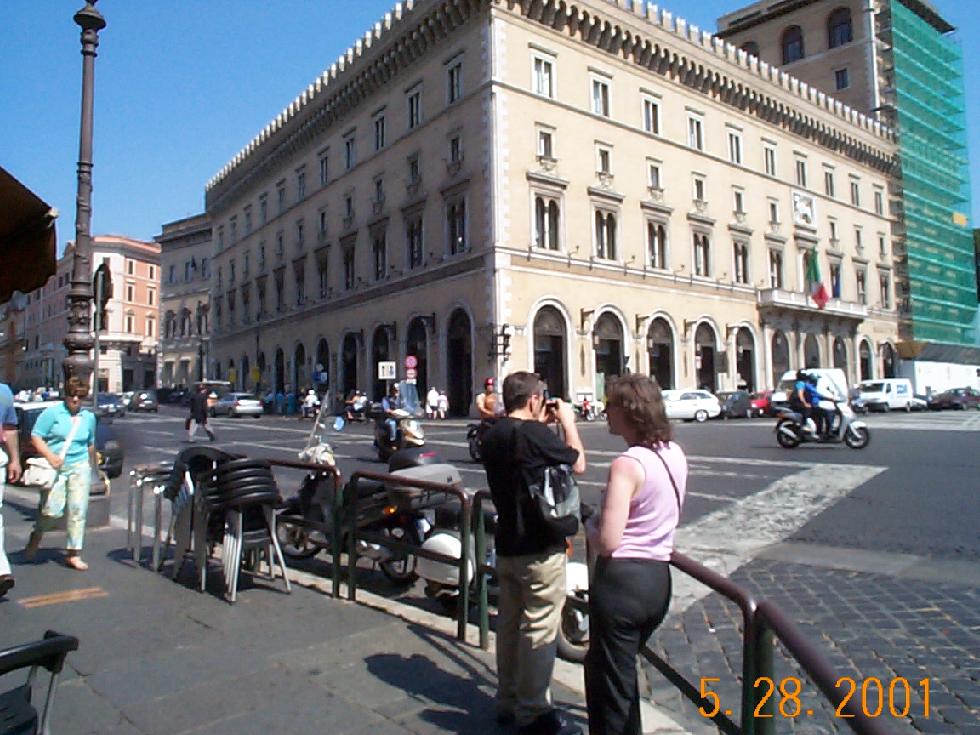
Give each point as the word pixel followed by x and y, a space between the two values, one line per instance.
pixel 799 402
pixel 390 404
pixel 824 418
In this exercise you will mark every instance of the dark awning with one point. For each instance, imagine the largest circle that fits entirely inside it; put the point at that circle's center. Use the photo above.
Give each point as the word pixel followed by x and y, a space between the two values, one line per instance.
pixel 28 242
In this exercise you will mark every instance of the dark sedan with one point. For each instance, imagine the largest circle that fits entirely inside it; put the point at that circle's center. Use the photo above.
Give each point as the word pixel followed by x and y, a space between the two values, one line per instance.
pixel 957 399
pixel 145 400
pixel 735 404
pixel 110 404
pixel 106 441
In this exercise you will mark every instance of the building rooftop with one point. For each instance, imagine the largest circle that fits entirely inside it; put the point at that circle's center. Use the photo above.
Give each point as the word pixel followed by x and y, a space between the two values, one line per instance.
pixel 766 10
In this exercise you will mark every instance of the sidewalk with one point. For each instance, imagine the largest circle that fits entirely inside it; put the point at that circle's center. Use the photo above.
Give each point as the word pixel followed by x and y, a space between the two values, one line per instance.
pixel 157 657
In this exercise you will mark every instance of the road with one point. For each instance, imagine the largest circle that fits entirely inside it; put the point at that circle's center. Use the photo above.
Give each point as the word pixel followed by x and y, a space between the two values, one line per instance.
pixel 874 552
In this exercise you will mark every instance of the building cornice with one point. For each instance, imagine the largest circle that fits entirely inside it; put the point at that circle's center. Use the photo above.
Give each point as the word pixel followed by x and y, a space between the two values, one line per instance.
pixel 686 55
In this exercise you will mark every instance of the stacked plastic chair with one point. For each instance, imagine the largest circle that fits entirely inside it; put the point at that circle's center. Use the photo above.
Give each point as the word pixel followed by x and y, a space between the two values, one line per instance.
pixel 17 715
pixel 242 512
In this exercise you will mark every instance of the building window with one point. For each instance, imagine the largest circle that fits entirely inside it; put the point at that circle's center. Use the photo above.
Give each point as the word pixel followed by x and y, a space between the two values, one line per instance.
pixel 150 327
pixel 300 235
pixel 300 185
pixel 172 274
pixel 698 191
pixel 130 293
pixel 413 236
pixel 280 278
pixel 545 144
pixel 414 109
pixel 653 174
pixel 884 283
pixel 245 268
pixel 299 282
pixel 751 48
pixel 261 257
pixel 792 45
pixel 260 294
pixel 735 147
pixel 350 151
pixel 600 97
pixel 740 253
pixel 379 132
pixel 263 209
pixel 454 82
pixel 839 29
pixel 546 222
pixel 801 173
pixel 414 170
pixel 879 202
pixel 858 239
pixel 280 198
pixel 657 244
pixel 651 115
pixel 603 159
pixel 456 226
pixel 350 274
pixel 835 280
pixel 769 156
pixel 348 207
pixel 248 220
pixel 379 249
pixel 775 269
pixel 205 265
pixel 855 193
pixel 695 133
pixel 153 272
pixel 833 232
pixel 231 273
pixel 738 201
pixel 840 79
pixel 324 169
pixel 605 235
pixel 455 149
pixel 773 212
pixel 280 244
pixel 130 267
pixel 828 183
pixel 151 297
pixel 130 324
pixel 543 77
pixel 882 245
pixel 702 255
pixel 860 279
pixel 321 271
pixel 221 238
pixel 379 190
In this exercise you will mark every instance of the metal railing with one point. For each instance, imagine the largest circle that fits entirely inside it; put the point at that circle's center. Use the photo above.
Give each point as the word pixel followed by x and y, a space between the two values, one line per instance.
pixel 355 534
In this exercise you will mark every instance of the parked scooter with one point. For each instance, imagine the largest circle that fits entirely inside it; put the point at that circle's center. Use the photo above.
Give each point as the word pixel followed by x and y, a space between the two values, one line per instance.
pixel 791 432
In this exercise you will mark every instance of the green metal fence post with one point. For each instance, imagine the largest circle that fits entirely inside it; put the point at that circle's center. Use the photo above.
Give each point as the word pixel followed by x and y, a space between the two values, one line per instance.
pixel 335 534
pixel 481 576
pixel 352 540
pixel 464 568
pixel 762 717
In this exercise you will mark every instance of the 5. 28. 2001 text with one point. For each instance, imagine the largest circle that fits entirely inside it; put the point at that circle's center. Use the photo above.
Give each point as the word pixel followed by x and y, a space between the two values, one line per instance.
pixel 783 697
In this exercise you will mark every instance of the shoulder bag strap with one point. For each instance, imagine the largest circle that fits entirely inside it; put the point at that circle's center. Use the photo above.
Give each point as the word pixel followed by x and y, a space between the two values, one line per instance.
pixel 673 484
pixel 76 421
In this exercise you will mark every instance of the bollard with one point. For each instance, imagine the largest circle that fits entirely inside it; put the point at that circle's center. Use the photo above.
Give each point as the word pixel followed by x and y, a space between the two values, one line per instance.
pixel 765 723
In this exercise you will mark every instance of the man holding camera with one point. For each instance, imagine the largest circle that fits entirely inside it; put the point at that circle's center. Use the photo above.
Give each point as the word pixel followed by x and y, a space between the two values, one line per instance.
pixel 530 560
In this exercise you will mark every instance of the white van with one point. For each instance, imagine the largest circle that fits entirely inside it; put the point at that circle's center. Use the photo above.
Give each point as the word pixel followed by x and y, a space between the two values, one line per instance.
pixel 830 382
pixel 887 394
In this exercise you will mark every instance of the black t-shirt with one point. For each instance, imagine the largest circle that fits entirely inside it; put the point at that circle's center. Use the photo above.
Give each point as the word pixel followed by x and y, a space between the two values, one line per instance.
pixel 515 451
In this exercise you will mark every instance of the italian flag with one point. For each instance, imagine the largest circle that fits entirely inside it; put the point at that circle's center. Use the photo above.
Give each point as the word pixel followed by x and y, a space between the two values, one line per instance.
pixel 817 291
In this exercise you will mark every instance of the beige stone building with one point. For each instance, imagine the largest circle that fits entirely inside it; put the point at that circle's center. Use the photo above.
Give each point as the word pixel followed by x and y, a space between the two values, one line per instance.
pixel 576 188
pixel 185 257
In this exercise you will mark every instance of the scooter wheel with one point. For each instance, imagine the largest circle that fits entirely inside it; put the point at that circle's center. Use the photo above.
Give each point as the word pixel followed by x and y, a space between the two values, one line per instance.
pixel 573 634
pixel 787 435
pixel 857 438
pixel 295 542
pixel 400 569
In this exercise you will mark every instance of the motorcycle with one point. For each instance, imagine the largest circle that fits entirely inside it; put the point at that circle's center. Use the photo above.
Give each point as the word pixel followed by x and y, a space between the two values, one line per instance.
pixel 408 433
pixel 791 432
pixel 589 411
pixel 474 437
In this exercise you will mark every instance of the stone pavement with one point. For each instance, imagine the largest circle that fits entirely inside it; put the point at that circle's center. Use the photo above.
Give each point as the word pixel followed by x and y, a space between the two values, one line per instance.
pixel 911 622
pixel 156 657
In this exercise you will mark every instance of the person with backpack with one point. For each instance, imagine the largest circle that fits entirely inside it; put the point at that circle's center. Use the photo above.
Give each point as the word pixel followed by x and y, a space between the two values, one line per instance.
pixel 517 450
pixel 632 537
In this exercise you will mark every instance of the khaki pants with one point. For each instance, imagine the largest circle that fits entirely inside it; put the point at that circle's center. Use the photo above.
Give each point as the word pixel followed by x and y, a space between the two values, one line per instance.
pixel 532 591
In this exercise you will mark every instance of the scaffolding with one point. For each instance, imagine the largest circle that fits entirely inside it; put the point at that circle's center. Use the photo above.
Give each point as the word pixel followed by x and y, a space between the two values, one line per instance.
pixel 929 108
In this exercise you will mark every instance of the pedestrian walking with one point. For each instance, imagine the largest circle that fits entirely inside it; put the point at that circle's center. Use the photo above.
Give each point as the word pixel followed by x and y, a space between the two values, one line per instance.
pixel 9 470
pixel 443 404
pixel 517 449
pixel 199 414
pixel 64 434
pixel 633 536
pixel 432 403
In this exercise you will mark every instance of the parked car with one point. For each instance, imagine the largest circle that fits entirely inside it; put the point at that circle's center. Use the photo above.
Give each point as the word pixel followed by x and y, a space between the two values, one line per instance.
pixel 237 404
pixel 886 394
pixel 127 399
pixel 858 404
pixel 735 404
pixel 106 440
pixel 110 404
pixel 956 399
pixel 762 403
pixel 145 400
pixel 691 405
pixel 918 403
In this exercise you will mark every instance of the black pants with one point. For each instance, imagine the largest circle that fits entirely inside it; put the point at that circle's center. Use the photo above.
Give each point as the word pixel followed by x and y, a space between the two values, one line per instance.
pixel 628 599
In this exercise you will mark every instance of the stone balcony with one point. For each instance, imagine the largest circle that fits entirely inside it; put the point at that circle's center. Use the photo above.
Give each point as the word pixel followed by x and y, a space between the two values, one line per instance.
pixel 777 299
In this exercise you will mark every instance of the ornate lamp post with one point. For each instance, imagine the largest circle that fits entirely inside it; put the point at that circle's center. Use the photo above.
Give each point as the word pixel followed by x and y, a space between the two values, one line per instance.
pixel 79 339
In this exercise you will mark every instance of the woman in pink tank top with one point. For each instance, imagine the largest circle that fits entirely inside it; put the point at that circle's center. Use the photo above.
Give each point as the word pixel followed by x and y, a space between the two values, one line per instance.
pixel 632 537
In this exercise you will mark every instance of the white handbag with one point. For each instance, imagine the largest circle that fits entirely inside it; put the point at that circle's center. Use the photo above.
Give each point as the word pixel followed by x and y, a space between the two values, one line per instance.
pixel 39 473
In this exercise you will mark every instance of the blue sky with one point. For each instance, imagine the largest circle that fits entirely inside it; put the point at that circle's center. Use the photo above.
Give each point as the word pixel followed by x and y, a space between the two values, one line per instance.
pixel 183 85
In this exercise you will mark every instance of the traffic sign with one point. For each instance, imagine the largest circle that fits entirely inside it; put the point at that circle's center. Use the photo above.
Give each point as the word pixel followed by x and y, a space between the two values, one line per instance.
pixel 387 369
pixel 411 362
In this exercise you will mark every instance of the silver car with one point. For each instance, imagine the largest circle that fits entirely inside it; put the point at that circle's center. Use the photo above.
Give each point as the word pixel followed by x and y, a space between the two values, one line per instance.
pixel 237 404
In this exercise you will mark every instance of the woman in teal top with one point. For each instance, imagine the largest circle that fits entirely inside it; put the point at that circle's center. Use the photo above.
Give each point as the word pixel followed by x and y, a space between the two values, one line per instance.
pixel 74 463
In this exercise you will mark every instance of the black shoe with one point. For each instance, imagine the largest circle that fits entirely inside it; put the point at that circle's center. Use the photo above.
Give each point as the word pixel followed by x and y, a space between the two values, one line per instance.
pixel 552 723
pixel 6 584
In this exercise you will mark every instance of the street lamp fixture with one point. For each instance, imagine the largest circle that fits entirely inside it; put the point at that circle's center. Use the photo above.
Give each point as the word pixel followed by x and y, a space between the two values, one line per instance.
pixel 79 339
